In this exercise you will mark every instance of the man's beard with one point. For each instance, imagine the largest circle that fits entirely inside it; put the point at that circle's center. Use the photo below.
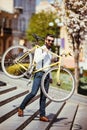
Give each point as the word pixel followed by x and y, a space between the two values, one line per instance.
pixel 48 47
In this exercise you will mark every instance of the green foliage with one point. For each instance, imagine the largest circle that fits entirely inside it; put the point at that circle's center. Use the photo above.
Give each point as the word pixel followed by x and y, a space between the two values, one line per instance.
pixel 39 24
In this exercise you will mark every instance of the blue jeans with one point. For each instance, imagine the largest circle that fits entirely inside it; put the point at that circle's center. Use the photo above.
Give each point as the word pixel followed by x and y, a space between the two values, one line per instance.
pixel 35 87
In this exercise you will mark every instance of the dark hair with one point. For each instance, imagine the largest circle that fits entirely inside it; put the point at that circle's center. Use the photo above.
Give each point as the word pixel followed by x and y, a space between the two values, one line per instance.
pixel 50 35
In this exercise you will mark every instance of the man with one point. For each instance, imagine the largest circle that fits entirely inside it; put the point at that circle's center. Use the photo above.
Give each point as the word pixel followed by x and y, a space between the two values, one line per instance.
pixel 42 58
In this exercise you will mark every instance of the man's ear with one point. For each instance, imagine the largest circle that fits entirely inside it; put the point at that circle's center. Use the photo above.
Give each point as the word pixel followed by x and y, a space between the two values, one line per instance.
pixel 45 39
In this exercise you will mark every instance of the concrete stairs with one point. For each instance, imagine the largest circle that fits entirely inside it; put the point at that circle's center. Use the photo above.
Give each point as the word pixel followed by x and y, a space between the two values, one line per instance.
pixel 70 115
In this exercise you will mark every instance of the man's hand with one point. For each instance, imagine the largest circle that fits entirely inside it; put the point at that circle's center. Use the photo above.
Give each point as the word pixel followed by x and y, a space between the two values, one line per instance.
pixel 54 59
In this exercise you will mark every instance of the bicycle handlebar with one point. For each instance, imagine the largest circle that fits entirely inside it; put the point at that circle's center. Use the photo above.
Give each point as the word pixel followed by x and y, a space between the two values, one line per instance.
pixel 37 37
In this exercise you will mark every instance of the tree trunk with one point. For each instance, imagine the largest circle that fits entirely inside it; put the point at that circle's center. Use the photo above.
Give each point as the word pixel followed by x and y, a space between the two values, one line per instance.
pixel 76 58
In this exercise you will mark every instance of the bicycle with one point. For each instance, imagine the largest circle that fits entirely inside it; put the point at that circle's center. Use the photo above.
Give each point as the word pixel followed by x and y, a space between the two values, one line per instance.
pixel 21 58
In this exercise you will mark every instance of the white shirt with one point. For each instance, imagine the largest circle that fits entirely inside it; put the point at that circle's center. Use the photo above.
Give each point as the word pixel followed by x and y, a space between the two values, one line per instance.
pixel 42 55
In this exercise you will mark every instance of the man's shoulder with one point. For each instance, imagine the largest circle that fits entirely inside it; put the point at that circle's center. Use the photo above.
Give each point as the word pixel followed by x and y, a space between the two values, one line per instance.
pixel 42 47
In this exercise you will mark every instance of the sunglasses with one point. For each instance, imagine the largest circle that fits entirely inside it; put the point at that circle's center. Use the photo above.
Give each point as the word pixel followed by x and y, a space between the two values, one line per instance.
pixel 50 40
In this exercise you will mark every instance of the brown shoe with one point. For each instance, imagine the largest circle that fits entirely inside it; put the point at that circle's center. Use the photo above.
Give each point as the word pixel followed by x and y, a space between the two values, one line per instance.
pixel 20 112
pixel 44 118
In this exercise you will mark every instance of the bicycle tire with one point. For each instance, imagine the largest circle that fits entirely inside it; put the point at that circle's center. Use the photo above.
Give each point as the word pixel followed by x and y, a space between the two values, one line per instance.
pixel 9 65
pixel 59 92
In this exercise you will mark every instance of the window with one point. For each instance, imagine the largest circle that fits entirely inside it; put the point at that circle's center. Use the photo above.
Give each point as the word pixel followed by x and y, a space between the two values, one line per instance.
pixel 22 24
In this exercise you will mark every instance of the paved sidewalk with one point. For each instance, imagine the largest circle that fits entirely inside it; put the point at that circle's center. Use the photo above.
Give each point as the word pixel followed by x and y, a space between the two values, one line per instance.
pixel 22 82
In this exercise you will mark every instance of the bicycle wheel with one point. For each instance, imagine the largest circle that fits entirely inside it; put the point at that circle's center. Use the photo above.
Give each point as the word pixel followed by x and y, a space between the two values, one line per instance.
pixel 62 90
pixel 16 61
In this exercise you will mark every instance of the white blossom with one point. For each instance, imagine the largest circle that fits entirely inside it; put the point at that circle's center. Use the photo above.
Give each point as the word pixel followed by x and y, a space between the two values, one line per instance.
pixel 76 18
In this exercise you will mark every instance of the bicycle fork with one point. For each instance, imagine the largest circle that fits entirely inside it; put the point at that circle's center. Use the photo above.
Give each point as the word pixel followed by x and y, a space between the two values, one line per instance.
pixel 58 77
pixel 58 74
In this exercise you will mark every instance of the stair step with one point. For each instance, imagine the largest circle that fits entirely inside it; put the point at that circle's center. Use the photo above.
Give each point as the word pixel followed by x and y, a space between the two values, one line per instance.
pixel 11 108
pixel 80 122
pixel 65 119
pixel 15 122
pixel 51 111
pixel 80 99
pixel 8 97
pixel 7 88
pixel 31 117
pixel 70 115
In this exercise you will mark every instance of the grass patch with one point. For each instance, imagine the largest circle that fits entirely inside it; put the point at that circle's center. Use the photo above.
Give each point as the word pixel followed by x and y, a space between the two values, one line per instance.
pixel 65 81
pixel 82 88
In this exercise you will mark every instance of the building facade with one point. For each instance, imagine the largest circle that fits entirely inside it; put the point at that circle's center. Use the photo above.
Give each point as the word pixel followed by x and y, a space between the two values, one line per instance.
pixel 14 19
pixel 24 10
pixel 5 30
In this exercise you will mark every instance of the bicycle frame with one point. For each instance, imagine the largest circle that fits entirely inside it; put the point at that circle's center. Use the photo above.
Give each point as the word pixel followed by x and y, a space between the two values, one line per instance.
pixel 58 63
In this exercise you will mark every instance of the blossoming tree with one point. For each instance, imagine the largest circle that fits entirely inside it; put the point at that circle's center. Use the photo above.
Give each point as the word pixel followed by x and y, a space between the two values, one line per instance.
pixel 76 22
